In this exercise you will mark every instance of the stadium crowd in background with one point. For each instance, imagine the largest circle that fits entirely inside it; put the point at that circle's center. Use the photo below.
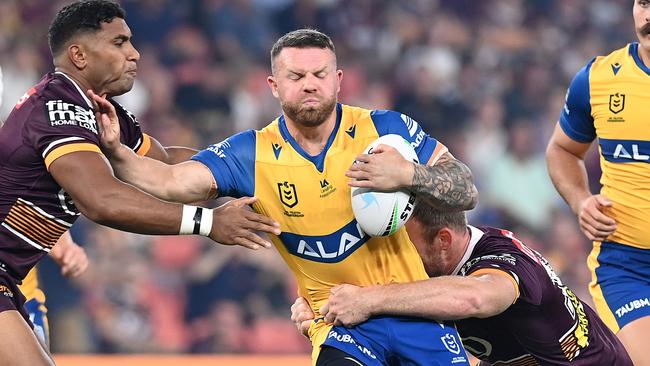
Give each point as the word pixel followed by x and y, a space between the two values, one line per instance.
pixel 488 78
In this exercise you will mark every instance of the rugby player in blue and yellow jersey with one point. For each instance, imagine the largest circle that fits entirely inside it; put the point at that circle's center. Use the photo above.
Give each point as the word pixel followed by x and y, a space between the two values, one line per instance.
pixel 299 169
pixel 608 100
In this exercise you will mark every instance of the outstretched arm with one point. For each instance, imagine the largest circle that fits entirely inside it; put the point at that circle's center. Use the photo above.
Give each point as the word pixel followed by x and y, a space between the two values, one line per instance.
pixel 169 154
pixel 101 197
pixel 565 160
pixel 188 181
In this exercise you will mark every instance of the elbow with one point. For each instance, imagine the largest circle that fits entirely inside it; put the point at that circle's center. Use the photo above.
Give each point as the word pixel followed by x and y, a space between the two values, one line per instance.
pixel 551 151
pixel 478 305
pixel 470 306
pixel 471 191
pixel 473 198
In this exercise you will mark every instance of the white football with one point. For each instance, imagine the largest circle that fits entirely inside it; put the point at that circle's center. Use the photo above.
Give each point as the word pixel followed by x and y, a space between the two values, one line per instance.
pixel 381 213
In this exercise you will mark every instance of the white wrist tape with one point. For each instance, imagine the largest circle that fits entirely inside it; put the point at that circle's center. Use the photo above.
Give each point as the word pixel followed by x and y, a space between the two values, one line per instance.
pixel 205 226
pixel 196 220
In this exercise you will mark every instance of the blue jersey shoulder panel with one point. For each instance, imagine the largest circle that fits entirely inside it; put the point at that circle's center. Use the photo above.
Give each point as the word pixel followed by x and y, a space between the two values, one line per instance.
pixel 576 120
pixel 390 122
pixel 232 163
pixel 634 51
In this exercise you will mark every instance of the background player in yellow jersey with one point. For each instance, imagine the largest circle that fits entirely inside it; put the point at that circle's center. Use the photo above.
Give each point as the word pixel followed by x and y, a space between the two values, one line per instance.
pixel 299 169
pixel 609 99
pixel 73 262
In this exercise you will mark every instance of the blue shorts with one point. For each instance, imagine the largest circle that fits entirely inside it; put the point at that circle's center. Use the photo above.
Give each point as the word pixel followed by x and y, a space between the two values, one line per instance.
pixel 38 316
pixel 400 340
pixel 621 283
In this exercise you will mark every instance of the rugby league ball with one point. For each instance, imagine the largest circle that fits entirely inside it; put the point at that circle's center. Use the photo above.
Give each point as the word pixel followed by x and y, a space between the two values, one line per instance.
pixel 381 213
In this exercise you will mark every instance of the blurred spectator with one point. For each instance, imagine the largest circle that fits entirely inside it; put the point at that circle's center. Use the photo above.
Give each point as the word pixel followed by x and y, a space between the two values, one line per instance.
pixel 518 183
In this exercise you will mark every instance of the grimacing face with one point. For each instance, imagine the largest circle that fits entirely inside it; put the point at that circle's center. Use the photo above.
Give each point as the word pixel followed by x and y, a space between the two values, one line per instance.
pixel 307 83
pixel 641 14
pixel 111 58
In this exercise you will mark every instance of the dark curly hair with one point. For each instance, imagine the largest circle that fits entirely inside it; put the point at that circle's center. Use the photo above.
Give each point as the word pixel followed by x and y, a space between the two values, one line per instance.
pixel 80 17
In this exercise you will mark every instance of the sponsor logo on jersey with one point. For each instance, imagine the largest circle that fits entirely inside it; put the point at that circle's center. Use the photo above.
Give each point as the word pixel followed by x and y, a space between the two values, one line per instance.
pixel 418 139
pixel 288 194
pixel 277 148
pixel 4 290
pixel 616 103
pixel 616 68
pixel 24 98
pixel 577 338
pixel 346 338
pixel 411 124
pixel 350 131
pixel 61 113
pixel 218 149
pixel 566 99
pixel 632 305
pixel 625 151
pixel 507 258
pixel 326 188
pixel 330 248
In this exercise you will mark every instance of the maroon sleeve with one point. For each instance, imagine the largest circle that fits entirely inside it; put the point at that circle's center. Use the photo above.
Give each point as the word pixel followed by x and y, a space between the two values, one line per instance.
pixel 502 253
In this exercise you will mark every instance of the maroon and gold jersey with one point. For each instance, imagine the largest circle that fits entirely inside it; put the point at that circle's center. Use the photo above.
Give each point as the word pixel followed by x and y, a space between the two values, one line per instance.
pixel 52 119
pixel 546 325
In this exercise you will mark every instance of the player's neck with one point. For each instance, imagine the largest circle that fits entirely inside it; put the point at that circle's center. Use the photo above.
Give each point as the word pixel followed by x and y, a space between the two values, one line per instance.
pixel 462 245
pixel 312 139
pixel 84 85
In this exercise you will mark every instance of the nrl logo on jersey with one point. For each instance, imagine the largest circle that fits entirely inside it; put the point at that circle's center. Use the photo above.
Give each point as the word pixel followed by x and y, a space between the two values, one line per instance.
pixel 616 103
pixel 61 113
pixel 289 198
pixel 288 194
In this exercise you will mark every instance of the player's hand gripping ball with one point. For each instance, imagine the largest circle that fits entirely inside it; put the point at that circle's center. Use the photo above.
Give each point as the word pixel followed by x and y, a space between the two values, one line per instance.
pixel 381 213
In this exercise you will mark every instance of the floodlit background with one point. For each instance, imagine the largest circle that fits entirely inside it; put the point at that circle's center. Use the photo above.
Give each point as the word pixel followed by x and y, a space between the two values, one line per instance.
pixel 487 78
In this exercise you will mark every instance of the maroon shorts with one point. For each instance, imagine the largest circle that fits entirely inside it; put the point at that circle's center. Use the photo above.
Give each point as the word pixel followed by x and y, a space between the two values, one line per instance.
pixel 11 298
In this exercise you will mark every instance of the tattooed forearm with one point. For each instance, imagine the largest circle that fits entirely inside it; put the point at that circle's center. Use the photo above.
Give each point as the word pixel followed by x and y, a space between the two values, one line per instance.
pixel 447 185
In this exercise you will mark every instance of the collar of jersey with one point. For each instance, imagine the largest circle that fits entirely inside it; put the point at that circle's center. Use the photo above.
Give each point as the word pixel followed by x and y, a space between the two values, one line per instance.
pixel 475 235
pixel 317 160
pixel 634 52
pixel 90 105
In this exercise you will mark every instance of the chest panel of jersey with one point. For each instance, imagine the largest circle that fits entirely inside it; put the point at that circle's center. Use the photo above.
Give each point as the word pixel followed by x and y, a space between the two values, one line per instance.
pixel 320 239
pixel 619 96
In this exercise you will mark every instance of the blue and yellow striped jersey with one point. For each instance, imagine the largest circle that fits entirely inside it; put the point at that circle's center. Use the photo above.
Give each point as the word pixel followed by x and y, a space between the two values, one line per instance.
pixel 309 196
pixel 608 99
